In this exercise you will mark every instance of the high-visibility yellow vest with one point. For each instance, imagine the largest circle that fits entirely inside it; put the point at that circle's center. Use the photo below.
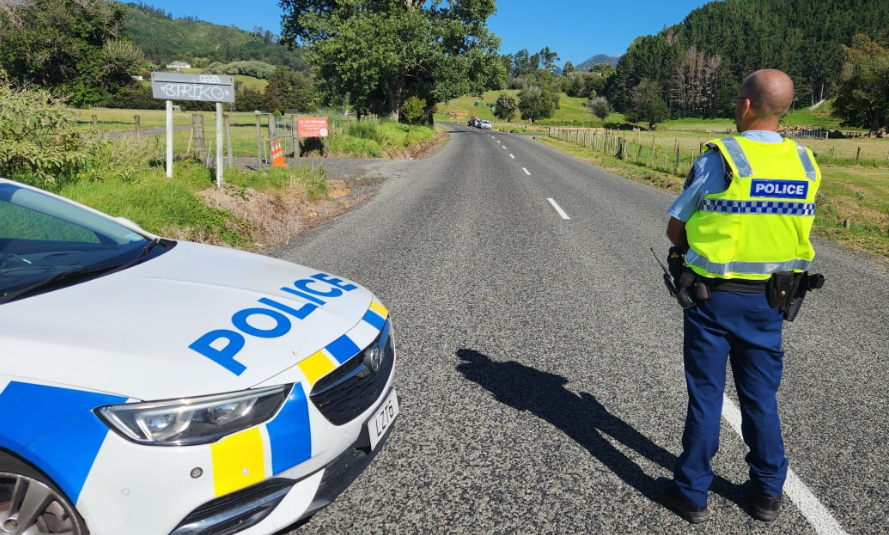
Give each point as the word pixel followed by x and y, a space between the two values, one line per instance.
pixel 761 223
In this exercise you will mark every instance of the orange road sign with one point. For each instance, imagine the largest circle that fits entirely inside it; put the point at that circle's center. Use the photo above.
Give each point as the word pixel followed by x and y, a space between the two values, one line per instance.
pixel 312 126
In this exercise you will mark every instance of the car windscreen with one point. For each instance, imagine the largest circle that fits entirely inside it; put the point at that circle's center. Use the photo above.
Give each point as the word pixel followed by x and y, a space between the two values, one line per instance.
pixel 45 239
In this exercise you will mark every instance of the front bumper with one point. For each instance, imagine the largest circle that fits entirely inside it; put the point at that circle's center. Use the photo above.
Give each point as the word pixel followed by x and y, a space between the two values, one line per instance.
pixel 265 506
pixel 258 481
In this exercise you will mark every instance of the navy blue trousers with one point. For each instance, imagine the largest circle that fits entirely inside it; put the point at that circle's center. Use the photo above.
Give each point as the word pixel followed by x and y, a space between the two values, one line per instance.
pixel 741 328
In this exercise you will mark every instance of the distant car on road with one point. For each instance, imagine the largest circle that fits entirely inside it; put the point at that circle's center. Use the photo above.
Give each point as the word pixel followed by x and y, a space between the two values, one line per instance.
pixel 484 124
pixel 158 387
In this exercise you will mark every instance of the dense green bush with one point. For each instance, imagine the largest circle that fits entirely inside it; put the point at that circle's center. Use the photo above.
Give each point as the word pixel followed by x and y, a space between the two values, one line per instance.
pixel 136 97
pixel 39 142
pixel 413 111
pixel 256 69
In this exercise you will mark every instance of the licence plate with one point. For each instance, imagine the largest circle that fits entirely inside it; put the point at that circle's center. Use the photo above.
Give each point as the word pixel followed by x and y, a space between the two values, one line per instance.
pixel 382 419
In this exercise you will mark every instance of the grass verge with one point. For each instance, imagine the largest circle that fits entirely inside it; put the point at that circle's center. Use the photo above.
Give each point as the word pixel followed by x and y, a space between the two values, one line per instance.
pixel 252 210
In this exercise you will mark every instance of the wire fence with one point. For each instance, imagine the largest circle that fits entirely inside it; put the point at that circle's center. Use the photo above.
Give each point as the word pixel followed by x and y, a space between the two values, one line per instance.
pixel 677 154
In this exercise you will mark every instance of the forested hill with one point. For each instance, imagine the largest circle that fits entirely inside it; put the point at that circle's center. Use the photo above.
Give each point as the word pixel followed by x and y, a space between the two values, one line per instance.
pixel 596 60
pixel 699 63
pixel 164 39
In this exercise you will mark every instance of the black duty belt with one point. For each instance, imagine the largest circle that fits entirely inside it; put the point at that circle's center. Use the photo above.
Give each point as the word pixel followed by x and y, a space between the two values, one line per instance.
pixel 736 285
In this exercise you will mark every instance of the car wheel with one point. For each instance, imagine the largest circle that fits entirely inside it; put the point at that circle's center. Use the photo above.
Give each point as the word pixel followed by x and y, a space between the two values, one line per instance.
pixel 30 504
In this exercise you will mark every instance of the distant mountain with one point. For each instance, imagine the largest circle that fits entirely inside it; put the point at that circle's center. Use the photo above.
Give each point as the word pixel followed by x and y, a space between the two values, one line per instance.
pixel 595 60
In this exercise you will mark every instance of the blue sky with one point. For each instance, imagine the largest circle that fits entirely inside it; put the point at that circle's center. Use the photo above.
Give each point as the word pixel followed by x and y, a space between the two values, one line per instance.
pixel 575 29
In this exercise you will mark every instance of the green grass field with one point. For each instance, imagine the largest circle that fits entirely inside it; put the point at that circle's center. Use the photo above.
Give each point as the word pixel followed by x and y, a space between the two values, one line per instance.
pixel 570 113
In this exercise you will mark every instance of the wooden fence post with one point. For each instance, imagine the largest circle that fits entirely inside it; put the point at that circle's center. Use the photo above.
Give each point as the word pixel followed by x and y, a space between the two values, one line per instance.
pixel 273 128
pixel 228 138
pixel 678 156
pixel 258 141
pixel 294 134
pixel 197 128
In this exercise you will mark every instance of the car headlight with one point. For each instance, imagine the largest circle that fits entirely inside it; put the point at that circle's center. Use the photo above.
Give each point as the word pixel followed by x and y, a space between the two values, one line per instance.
pixel 186 422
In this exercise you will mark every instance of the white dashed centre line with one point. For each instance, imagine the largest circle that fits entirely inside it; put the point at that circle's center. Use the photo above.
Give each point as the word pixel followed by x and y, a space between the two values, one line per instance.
pixel 558 209
pixel 811 508
pixel 526 171
pixel 511 156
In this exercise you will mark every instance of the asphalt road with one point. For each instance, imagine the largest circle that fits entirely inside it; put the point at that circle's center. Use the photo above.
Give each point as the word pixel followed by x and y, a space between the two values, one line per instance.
pixel 540 369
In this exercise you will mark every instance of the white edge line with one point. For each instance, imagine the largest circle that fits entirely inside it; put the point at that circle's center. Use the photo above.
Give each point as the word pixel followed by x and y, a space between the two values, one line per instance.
pixel 812 509
pixel 558 209
pixel 526 171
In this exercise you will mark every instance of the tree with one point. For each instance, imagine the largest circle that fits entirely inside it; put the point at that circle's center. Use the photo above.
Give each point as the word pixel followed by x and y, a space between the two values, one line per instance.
pixel 694 84
pixel 380 52
pixel 864 92
pixel 248 98
pixel 288 90
pixel 540 99
pixel 522 64
pixel 536 103
pixel 506 107
pixel 548 59
pixel 647 105
pixel 600 107
pixel 75 48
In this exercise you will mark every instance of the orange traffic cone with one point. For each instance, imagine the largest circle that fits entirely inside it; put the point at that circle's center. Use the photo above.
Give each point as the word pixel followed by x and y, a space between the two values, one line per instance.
pixel 277 155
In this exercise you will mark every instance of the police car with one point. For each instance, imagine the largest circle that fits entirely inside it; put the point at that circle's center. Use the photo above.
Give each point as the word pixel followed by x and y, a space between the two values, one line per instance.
pixel 152 386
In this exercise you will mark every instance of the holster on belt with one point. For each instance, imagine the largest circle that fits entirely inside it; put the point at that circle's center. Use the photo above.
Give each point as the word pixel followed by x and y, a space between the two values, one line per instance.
pixel 787 291
pixel 694 285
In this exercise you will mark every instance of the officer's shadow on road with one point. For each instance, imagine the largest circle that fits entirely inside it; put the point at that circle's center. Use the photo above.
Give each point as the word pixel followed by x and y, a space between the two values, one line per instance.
pixel 581 417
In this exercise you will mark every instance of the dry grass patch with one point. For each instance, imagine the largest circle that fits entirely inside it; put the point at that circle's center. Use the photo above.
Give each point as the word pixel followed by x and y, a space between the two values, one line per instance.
pixel 275 218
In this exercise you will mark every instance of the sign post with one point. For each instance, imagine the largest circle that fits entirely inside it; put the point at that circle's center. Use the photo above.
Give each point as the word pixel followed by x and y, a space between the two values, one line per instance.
pixel 313 127
pixel 169 139
pixel 201 87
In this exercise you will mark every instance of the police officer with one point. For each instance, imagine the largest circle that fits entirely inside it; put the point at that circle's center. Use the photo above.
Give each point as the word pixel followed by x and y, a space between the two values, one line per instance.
pixel 745 213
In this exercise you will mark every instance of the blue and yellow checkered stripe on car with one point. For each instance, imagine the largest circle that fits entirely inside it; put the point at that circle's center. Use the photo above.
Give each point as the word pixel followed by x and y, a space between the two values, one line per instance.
pixel 345 347
pixel 243 459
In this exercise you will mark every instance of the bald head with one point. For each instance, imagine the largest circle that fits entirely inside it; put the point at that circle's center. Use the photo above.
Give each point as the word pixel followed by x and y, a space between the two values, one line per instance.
pixel 770 94
pixel 770 91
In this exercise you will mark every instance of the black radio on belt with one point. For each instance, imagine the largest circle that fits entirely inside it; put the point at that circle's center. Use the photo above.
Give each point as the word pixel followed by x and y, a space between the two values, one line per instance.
pixel 680 293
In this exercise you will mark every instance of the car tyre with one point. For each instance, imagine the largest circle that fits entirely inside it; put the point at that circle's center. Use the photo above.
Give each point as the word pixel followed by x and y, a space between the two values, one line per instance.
pixel 28 496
